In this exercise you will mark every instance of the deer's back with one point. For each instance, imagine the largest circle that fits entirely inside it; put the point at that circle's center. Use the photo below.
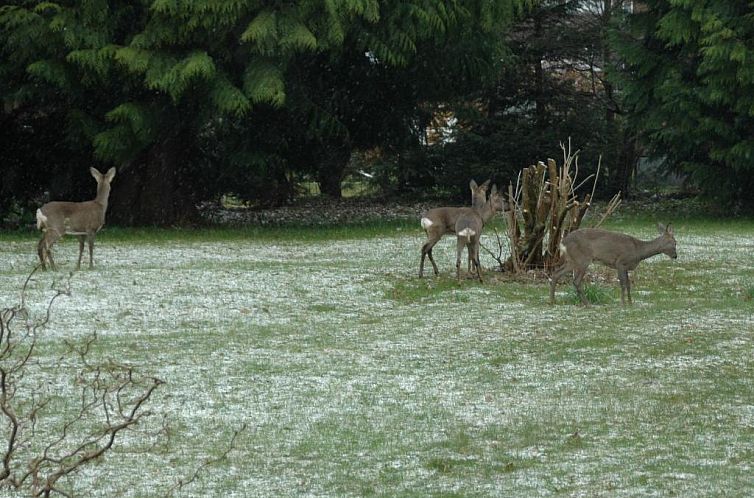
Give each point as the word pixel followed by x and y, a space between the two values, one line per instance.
pixel 444 218
pixel 586 244
pixel 468 217
pixel 74 217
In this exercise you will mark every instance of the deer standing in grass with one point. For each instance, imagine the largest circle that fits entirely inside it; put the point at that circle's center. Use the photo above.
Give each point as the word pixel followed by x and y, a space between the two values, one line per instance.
pixel 469 226
pixel 441 221
pixel 82 219
pixel 615 250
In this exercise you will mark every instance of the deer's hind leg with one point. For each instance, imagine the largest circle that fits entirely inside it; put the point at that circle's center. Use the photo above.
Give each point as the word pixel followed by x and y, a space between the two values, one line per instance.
pixel 44 248
pixel 474 251
pixel 41 252
pixel 460 244
pixel 427 252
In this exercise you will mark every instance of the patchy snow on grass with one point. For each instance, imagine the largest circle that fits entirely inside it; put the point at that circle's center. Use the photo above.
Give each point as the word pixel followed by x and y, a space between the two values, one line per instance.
pixel 470 389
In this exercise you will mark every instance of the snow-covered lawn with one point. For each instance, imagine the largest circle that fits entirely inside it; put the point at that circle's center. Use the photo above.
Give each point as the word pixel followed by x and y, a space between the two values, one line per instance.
pixel 354 377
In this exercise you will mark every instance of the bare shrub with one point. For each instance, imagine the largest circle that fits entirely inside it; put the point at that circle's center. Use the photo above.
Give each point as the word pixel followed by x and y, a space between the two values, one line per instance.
pixel 54 426
pixel 544 207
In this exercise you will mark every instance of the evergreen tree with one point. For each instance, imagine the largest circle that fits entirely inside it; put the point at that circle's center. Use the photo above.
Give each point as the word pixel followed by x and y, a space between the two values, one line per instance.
pixel 551 88
pixel 47 122
pixel 688 85
pixel 184 95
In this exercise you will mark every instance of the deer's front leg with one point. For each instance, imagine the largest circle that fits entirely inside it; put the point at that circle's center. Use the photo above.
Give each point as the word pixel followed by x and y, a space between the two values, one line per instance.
pixel 81 250
pixel 90 240
pixel 578 280
pixel 625 285
pixel 628 287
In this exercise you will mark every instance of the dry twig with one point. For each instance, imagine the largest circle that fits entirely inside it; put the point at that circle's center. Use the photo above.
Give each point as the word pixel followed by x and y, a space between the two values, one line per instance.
pixel 207 463
pixel 546 209
pixel 111 399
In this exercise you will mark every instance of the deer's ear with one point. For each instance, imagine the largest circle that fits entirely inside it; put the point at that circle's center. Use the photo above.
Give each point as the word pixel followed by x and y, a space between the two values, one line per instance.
pixel 96 174
pixel 669 229
pixel 661 228
pixel 486 184
pixel 110 174
pixel 473 185
pixel 494 189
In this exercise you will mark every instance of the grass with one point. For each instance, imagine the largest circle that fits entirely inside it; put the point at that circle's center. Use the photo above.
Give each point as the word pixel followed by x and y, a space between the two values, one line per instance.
pixel 357 378
pixel 595 294
pixel 277 234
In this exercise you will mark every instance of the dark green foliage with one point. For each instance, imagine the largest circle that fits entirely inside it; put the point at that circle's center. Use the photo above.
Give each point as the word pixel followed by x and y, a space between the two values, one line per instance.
pixel 196 99
pixel 38 164
pixel 689 89
pixel 551 88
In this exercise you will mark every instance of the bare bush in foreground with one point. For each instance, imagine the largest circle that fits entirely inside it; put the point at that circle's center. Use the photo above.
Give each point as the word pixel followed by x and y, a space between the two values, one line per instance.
pixel 48 436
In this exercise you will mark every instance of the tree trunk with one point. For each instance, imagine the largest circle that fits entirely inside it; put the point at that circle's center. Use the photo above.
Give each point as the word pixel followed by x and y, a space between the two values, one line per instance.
pixel 329 181
pixel 627 158
pixel 331 168
pixel 155 188
pixel 539 81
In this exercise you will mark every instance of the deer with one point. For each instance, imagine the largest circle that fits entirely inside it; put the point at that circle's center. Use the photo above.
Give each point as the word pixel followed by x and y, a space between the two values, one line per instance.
pixel 441 221
pixel 614 250
pixel 469 226
pixel 82 219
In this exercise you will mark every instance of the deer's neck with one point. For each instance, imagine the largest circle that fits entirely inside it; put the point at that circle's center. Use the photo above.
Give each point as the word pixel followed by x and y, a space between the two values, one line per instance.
pixel 478 202
pixel 485 212
pixel 103 193
pixel 649 248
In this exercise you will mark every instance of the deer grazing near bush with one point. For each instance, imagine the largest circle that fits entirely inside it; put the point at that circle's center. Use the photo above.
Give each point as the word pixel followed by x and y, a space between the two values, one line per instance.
pixel 83 219
pixel 615 250
pixel 441 221
pixel 469 226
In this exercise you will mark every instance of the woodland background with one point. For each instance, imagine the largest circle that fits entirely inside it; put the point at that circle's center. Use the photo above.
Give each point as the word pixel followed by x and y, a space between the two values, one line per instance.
pixel 262 100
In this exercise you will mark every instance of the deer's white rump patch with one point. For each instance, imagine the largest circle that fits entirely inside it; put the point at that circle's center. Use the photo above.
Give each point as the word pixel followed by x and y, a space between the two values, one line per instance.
pixel 41 219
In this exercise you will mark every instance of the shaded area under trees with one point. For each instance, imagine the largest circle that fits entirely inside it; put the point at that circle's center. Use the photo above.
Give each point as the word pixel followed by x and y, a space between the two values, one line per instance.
pixel 164 90
pixel 195 100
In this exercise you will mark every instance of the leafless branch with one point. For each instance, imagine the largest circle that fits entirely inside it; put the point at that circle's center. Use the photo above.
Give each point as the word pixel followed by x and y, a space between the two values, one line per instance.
pixel 111 399
pixel 207 463
pixel 535 234
pixel 499 255
pixel 611 207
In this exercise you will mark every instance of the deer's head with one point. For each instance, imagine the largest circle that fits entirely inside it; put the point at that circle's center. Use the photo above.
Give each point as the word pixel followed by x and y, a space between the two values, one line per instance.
pixel 667 240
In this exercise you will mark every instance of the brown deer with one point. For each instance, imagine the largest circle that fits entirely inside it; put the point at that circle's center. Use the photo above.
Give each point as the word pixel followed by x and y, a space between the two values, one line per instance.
pixel 469 226
pixel 441 221
pixel 82 219
pixel 615 250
